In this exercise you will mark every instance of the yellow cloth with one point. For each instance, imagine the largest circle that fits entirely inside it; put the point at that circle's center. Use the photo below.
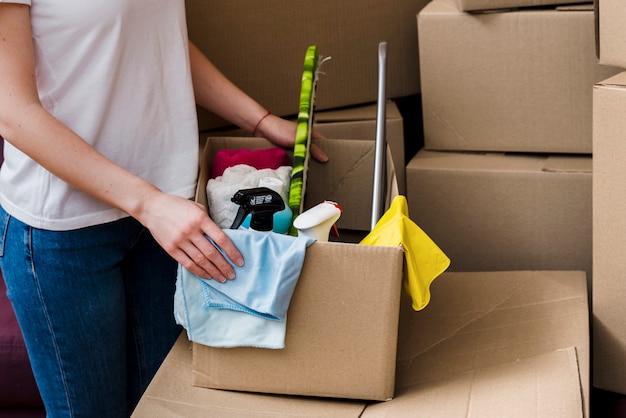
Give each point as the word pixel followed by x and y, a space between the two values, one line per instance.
pixel 424 259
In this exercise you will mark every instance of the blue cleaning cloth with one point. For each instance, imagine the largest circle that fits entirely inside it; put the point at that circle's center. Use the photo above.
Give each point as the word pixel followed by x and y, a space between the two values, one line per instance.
pixel 250 310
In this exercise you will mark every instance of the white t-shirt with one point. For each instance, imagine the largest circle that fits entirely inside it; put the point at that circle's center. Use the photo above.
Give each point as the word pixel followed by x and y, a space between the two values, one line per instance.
pixel 117 73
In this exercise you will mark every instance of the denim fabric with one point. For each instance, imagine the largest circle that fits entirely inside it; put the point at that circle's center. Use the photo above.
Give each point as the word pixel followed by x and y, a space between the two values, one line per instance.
pixel 95 308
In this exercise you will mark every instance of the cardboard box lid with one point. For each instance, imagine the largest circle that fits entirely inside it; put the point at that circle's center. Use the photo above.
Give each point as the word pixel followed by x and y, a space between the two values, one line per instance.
pixel 545 385
pixel 172 395
pixel 342 328
pixel 480 319
pixel 477 5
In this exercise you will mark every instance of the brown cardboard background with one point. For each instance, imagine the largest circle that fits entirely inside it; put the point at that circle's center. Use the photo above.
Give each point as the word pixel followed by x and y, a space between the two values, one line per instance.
pixel 516 81
pixel 261 46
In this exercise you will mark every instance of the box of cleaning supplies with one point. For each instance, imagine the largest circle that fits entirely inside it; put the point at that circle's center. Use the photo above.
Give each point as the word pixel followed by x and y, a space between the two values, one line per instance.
pixel 346 178
pixel 489 344
pixel 344 312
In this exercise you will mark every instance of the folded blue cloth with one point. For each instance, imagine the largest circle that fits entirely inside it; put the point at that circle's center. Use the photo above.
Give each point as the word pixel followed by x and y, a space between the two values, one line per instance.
pixel 250 310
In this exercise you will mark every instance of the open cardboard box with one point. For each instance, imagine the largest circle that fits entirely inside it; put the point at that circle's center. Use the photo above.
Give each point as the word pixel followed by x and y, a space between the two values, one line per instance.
pixel 344 311
pixel 489 344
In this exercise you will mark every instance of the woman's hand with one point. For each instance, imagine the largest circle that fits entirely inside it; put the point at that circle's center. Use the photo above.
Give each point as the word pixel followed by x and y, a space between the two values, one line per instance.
pixel 282 133
pixel 181 227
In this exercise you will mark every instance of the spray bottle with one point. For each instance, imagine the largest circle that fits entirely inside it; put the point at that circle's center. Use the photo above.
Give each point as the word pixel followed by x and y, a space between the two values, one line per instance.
pixel 317 221
pixel 259 202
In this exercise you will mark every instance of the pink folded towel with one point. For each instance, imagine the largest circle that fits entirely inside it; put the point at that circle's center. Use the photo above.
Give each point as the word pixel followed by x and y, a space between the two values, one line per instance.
pixel 263 158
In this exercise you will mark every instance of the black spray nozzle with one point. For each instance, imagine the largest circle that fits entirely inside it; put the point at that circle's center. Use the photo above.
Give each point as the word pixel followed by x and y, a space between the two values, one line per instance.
pixel 262 203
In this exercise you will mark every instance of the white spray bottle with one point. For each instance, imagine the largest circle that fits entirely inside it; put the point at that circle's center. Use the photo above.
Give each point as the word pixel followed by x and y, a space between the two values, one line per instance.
pixel 316 222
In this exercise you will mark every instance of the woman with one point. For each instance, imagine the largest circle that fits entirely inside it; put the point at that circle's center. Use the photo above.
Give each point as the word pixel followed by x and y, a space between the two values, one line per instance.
pixel 97 108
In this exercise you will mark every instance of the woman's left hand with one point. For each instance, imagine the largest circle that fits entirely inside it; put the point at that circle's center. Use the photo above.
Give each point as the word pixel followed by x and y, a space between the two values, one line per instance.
pixel 282 133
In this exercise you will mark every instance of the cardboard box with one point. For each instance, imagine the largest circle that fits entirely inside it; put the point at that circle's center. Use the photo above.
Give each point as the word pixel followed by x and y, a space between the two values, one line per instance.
pixel 610 32
pixel 327 293
pixel 516 81
pixel 609 227
pixel 489 344
pixel 342 330
pixel 481 5
pixel 358 122
pixel 493 211
pixel 261 46
pixel 347 178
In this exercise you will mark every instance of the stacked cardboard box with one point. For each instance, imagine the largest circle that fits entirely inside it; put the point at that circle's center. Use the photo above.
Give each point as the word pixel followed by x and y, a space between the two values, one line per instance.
pixel 505 177
pixel 510 82
pixel 609 250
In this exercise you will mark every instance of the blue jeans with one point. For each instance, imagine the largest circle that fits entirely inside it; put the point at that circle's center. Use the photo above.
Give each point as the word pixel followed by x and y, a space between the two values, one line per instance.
pixel 95 306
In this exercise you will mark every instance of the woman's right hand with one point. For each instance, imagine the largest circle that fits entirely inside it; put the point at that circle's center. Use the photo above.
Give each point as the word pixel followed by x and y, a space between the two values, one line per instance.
pixel 181 227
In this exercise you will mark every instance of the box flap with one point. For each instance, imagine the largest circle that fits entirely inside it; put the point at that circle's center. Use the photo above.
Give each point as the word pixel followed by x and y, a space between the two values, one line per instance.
pixel 545 385
pixel 476 320
pixel 171 395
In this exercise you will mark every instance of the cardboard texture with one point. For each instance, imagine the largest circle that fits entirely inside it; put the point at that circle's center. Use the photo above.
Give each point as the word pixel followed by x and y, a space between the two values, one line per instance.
pixel 493 211
pixel 489 344
pixel 610 32
pixel 540 386
pixel 480 5
pixel 517 81
pixel 171 395
pixel 261 48
pixel 480 319
pixel 358 122
pixel 609 227
pixel 346 178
